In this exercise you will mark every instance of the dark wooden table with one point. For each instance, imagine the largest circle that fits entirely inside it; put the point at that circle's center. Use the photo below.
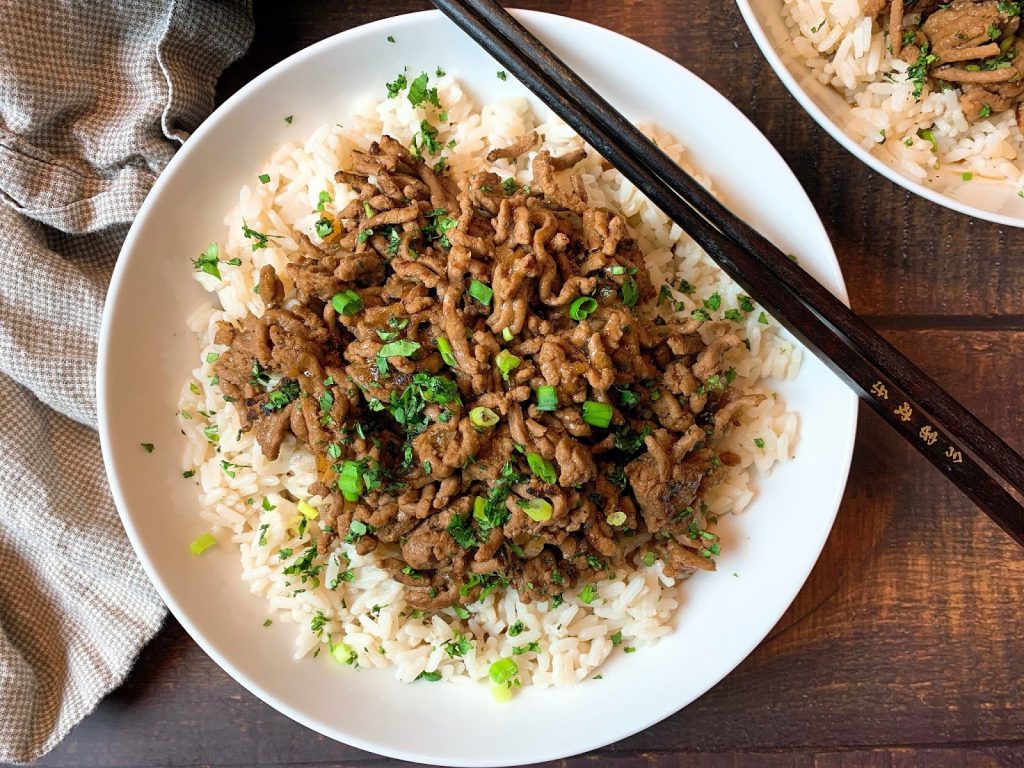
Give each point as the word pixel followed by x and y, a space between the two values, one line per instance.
pixel 905 647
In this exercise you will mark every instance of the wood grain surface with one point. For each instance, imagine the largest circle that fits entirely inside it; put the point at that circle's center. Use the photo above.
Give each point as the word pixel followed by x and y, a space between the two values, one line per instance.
pixel 906 645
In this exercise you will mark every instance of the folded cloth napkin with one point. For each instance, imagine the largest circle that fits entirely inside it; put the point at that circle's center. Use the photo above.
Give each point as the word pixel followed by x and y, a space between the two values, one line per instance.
pixel 94 99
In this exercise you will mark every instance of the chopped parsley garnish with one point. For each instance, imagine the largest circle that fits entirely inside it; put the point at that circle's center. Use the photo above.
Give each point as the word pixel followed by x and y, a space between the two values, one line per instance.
pixel 289 119
pixel 425 139
pixel 617 476
pixel 264 178
pixel 419 92
pixel 286 391
pixel 491 512
pixel 759 442
pixel 318 622
pixel 461 529
pixel 762 318
pixel 985 111
pixel 263 534
pixel 458 646
pixel 519 650
pixel 324 227
pixel 260 238
pixel 588 593
pixel 557 600
pixel 501 75
pixel 746 303
pixel 391 38
pixel 648 559
pixel 516 629
pixel 396 86
pixel 210 258
pixel 733 315
pixel 402 348
pixel 713 302
pixel 701 315
pixel 628 441
pixel 617 638
pixel 918 71
pixel 148 447
pixel 430 677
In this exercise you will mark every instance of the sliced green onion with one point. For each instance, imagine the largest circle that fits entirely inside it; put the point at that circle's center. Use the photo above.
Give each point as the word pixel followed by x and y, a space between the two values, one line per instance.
pixel 588 593
pixel 503 670
pixel 582 307
pixel 342 653
pixel 308 510
pixel 480 509
pixel 542 468
pixel 367 210
pixel 347 302
pixel 547 398
pixel 597 414
pixel 201 544
pixel 483 417
pixel 501 693
pixel 403 348
pixel 506 362
pixel 350 480
pixel 630 291
pixel 648 559
pixel 447 353
pixel 506 333
pixel 537 510
pixel 618 517
pixel 481 292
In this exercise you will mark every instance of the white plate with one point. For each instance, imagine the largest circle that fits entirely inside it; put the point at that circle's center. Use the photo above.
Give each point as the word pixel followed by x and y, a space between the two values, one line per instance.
pixel 996 201
pixel 146 353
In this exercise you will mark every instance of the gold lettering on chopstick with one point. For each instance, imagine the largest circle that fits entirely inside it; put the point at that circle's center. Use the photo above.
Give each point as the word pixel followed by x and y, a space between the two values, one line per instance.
pixel 879 389
pixel 928 435
pixel 955 455
pixel 905 412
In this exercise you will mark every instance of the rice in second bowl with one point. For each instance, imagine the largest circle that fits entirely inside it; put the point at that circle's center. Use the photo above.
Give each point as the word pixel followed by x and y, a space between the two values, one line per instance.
pixel 346 602
pixel 837 45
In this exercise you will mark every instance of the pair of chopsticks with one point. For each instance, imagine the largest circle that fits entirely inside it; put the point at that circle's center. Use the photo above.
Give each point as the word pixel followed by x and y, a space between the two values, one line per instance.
pixel 977 460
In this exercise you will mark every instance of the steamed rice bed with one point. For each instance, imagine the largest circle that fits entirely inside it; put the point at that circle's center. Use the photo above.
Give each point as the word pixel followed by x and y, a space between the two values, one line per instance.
pixel 364 618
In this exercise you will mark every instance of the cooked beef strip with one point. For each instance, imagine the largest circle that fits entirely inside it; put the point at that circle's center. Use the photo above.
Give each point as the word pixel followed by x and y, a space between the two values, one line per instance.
pixel 977 36
pixel 447 498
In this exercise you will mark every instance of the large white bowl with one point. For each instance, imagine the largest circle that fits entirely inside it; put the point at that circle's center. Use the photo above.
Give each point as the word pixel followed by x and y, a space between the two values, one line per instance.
pixel 982 198
pixel 146 353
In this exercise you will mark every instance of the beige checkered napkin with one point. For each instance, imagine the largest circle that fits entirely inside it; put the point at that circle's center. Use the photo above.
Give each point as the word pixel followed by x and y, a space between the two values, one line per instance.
pixel 94 99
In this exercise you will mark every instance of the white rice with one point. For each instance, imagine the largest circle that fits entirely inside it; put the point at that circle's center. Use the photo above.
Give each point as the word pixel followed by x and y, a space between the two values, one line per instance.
pixel 368 613
pixel 848 51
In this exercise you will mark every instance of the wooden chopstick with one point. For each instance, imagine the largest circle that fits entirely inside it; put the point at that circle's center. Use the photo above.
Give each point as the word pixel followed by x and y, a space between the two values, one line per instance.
pixel 955 441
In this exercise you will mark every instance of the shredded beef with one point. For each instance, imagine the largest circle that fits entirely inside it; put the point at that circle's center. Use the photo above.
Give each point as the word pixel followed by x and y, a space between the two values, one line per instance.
pixel 430 297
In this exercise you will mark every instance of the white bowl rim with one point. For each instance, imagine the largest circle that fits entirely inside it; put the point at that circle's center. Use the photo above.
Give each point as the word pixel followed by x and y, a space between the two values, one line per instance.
pixel 837 133
pixel 608 736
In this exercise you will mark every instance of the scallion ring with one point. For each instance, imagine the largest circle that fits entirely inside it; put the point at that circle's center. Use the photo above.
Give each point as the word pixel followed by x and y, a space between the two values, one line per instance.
pixel 618 517
pixel 483 417
pixel 350 480
pixel 541 467
pixel 503 670
pixel 537 510
pixel 582 308
pixel 447 353
pixel 482 292
pixel 547 398
pixel 597 414
pixel 506 362
pixel 347 302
